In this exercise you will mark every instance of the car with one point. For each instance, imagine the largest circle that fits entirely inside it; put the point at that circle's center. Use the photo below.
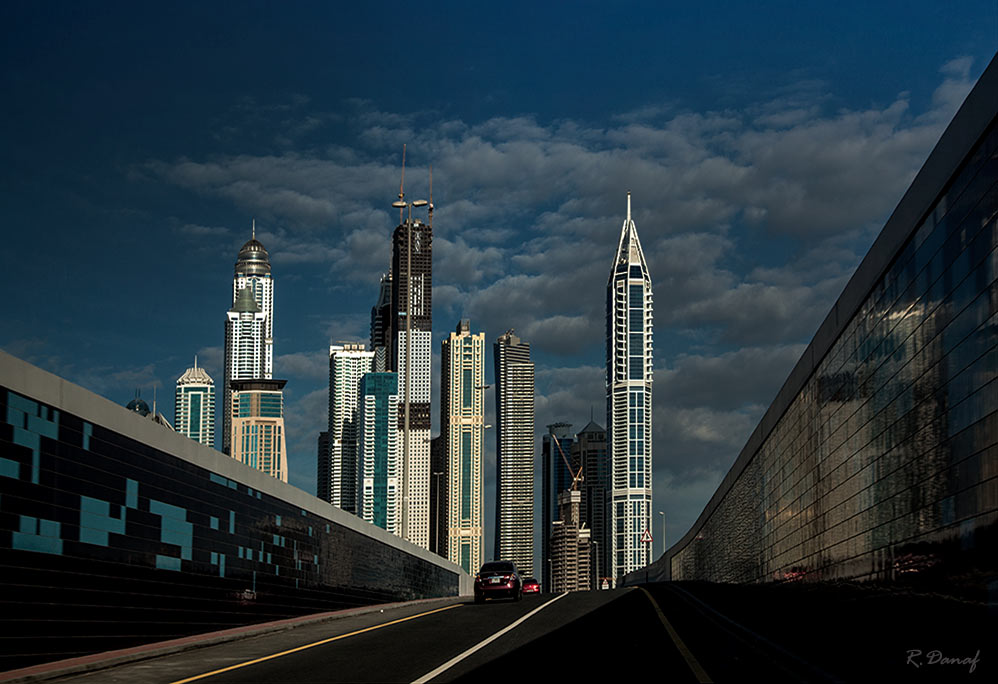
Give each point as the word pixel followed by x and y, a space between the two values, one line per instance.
pixel 531 586
pixel 498 579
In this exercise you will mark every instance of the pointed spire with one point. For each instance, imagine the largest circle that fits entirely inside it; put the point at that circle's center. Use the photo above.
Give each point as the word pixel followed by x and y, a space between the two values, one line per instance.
pixel 628 246
pixel 254 223
pixel 195 362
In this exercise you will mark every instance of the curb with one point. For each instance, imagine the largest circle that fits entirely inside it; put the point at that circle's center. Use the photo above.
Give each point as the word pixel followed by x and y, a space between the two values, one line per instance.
pixel 108 659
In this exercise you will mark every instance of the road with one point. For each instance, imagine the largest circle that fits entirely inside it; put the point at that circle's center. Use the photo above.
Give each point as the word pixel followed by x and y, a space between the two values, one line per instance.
pixel 678 632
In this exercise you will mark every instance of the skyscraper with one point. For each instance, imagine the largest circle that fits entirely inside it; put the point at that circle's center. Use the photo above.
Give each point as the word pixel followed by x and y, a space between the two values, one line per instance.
pixel 629 401
pixel 411 313
pixel 514 378
pixel 462 425
pixel 438 496
pixel 381 324
pixel 258 426
pixel 252 272
pixel 194 408
pixel 378 465
pixel 570 546
pixel 347 365
pixel 556 477
pixel 252 334
pixel 245 326
pixel 589 453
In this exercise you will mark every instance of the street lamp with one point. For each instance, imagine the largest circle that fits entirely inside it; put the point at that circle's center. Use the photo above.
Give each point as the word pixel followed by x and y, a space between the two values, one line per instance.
pixel 596 582
pixel 662 513
pixel 436 532
pixel 400 204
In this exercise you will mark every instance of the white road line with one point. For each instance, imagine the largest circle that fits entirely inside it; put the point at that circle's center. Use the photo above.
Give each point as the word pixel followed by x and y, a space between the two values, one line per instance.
pixel 456 659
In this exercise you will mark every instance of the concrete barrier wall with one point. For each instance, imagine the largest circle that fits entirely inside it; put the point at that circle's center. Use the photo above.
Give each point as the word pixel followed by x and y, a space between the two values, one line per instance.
pixel 116 530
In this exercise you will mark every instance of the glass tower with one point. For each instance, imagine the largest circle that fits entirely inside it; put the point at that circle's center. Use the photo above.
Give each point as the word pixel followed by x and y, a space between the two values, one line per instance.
pixel 378 468
pixel 194 409
pixel 629 401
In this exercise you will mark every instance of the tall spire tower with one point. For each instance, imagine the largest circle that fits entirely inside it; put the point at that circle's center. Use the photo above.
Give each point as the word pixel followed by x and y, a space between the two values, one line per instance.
pixel 629 401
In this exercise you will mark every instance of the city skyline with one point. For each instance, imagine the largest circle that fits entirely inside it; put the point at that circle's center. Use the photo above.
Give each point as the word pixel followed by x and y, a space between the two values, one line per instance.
pixel 527 187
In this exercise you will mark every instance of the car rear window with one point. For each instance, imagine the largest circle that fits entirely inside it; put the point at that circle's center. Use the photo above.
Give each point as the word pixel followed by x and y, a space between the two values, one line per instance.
pixel 497 566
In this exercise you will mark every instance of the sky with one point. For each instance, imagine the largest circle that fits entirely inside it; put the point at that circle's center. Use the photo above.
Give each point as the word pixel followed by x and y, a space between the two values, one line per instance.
pixel 764 144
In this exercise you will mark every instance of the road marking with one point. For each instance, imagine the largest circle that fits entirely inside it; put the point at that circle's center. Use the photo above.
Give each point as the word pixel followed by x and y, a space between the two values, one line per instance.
pixel 698 670
pixel 317 643
pixel 456 659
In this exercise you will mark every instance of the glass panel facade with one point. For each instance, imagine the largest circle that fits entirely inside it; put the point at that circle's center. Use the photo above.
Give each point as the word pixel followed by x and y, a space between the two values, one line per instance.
pixel 886 461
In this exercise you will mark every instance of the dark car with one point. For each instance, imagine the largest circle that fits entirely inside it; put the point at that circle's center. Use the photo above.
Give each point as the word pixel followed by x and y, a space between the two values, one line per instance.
pixel 498 579
pixel 531 586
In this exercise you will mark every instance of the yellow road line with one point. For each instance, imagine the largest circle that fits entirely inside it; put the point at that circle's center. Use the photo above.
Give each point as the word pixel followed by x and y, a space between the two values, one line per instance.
pixel 698 670
pixel 317 643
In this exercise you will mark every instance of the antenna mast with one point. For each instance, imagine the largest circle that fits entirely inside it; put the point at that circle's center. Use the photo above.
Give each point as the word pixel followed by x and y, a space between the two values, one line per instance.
pixel 402 184
pixel 431 199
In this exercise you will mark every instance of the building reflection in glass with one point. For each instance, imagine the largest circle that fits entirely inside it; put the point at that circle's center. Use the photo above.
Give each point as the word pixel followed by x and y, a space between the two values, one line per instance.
pixel 885 463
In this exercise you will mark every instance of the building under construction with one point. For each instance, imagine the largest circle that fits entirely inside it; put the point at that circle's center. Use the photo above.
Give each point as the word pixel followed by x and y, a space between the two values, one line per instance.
pixel 571 558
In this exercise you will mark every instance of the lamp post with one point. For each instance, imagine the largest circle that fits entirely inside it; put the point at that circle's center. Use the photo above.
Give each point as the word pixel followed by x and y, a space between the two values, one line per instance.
pixel 402 204
pixel 662 513
pixel 596 582
pixel 436 532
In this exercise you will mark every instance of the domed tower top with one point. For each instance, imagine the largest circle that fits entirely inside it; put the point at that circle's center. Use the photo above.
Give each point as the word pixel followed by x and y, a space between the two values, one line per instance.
pixel 138 405
pixel 253 258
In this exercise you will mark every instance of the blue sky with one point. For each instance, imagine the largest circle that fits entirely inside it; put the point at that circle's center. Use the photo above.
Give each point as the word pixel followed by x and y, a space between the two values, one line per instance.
pixel 765 145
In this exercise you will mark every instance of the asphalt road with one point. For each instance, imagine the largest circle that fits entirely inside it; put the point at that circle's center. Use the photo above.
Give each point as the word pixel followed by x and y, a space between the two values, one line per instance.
pixel 662 632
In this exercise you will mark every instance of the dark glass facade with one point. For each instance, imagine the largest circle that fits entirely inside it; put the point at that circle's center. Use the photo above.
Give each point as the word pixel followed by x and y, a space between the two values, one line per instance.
pixel 884 461
pixel 106 541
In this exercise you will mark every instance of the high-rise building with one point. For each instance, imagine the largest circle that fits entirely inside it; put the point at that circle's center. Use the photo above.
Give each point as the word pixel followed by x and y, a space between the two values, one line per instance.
pixel 245 326
pixel 556 477
pixel 252 272
pixel 347 365
pixel 410 356
pixel 258 425
pixel 194 408
pixel 570 546
pixel 589 453
pixel 629 401
pixel 249 339
pixel 438 496
pixel 514 381
pixel 462 425
pixel 381 324
pixel 378 466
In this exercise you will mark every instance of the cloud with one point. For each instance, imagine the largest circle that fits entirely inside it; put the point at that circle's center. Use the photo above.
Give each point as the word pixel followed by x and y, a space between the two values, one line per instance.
pixel 312 366
pixel 203 231
pixel 749 376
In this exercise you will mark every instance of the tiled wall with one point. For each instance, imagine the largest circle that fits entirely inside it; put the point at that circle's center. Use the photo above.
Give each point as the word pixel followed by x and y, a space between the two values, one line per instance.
pixel 106 541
